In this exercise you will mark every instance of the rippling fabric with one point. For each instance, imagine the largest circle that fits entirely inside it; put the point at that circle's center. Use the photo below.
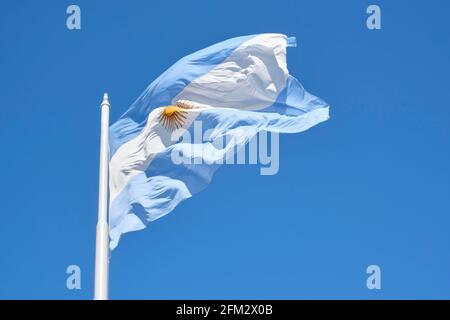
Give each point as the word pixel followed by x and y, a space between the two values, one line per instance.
pixel 233 89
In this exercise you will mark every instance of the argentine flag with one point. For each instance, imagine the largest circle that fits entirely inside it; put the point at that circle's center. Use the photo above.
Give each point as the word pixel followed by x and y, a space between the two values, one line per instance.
pixel 235 88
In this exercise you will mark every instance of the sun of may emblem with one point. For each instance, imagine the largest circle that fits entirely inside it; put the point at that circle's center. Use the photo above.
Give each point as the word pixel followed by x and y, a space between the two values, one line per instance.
pixel 173 117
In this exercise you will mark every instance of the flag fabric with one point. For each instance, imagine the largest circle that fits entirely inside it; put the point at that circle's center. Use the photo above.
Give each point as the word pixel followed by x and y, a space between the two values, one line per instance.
pixel 235 88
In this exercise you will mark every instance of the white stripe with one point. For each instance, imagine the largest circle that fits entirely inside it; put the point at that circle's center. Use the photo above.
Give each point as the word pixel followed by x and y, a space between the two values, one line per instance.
pixel 134 156
pixel 251 78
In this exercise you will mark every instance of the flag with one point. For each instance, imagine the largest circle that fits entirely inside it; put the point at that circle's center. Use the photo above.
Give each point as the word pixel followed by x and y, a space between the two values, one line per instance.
pixel 235 88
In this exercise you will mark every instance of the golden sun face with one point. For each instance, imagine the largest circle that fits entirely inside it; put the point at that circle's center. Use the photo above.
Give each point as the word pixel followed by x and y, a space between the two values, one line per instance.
pixel 173 117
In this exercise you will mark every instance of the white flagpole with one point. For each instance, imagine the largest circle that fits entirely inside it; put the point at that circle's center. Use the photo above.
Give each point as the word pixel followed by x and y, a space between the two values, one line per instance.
pixel 102 241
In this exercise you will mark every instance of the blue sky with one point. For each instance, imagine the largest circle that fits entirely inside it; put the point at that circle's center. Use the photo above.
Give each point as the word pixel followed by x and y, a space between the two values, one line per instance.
pixel 369 186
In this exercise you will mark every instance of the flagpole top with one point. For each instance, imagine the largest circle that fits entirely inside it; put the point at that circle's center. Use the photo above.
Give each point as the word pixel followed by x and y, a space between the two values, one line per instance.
pixel 105 100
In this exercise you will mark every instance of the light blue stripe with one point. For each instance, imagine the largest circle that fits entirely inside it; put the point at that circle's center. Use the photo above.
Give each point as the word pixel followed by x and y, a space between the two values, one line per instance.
pixel 158 190
pixel 294 100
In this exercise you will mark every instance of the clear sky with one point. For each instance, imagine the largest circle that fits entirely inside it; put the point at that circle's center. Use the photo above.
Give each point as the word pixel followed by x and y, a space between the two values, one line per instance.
pixel 369 186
